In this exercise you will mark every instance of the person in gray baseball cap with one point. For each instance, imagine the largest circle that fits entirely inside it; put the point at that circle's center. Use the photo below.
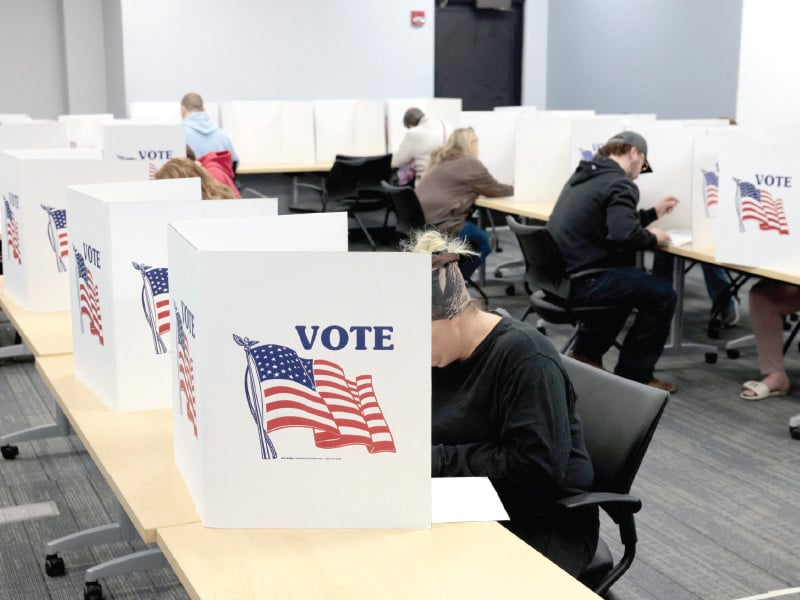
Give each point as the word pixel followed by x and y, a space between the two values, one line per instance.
pixel 598 228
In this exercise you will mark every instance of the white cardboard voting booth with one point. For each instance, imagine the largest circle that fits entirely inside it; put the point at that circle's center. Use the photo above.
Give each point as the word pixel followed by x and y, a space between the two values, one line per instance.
pixel 82 130
pixel 154 143
pixel 271 132
pixel 758 219
pixel 445 109
pixel 13 117
pixel 302 386
pixel 352 127
pixel 497 135
pixel 34 219
pixel 16 135
pixel 119 283
pixel 168 112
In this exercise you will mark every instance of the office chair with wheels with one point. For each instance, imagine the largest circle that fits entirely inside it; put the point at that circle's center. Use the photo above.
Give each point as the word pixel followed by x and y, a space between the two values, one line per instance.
pixel 339 192
pixel 619 417
pixel 411 217
pixel 548 284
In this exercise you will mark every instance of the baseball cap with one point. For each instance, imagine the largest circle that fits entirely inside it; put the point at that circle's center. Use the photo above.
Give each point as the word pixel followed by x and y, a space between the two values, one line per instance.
pixel 634 139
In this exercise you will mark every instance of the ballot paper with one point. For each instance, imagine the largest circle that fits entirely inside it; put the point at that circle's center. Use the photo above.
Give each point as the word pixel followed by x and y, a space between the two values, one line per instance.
pixel 679 237
pixel 463 499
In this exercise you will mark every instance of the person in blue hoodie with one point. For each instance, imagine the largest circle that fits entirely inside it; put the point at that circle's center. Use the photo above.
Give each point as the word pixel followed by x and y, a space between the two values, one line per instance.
pixel 202 136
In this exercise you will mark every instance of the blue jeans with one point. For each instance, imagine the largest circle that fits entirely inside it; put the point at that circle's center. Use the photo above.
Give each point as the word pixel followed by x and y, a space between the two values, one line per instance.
pixel 717 280
pixel 628 288
pixel 480 242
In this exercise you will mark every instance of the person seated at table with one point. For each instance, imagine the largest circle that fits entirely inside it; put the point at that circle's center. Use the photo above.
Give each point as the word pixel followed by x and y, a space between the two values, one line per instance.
pixel 598 228
pixel 503 407
pixel 182 168
pixel 770 302
pixel 448 190
pixel 201 133
pixel 219 165
pixel 424 135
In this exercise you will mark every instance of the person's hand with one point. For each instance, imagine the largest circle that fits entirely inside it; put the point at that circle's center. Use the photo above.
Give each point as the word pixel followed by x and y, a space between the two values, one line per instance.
pixel 665 206
pixel 662 237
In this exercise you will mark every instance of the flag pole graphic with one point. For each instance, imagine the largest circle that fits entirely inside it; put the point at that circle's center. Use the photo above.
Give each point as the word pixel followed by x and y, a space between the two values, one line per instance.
pixel 160 348
pixel 254 400
pixel 739 205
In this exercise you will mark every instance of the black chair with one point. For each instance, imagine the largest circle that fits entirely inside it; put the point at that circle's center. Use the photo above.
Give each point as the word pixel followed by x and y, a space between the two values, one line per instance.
pixel 339 191
pixel 410 217
pixel 619 417
pixel 548 284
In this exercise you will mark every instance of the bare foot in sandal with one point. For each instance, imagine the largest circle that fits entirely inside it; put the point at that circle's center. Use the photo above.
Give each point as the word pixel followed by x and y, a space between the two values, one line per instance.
pixel 774 384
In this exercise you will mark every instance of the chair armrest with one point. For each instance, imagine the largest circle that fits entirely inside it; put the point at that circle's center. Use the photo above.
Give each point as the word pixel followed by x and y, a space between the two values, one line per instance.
pixel 610 502
pixel 309 186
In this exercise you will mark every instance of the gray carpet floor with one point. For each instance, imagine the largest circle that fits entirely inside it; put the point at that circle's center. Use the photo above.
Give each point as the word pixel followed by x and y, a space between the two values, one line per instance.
pixel 720 483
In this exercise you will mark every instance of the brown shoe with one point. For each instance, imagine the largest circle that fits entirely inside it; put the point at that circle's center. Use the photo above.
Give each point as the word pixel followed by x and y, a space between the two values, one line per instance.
pixel 662 385
pixel 585 359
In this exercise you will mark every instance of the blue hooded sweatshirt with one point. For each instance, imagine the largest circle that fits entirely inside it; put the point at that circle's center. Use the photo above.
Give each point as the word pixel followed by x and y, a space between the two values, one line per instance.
pixel 202 136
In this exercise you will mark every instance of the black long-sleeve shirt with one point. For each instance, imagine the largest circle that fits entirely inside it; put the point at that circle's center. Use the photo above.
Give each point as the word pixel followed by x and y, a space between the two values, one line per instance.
pixel 508 412
pixel 595 222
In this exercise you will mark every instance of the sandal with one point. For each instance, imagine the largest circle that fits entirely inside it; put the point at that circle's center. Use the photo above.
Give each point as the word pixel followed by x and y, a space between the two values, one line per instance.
pixel 759 390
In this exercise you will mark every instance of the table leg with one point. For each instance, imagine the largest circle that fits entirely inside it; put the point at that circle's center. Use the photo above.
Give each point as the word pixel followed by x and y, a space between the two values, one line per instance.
pixel 58 429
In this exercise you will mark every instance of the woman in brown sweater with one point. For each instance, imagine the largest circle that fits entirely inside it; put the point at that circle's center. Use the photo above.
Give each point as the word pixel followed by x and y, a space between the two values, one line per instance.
pixel 448 189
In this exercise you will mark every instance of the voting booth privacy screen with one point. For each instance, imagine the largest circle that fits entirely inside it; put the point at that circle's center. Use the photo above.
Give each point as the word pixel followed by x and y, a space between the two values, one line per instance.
pixel 20 134
pixel 153 143
pixel 35 223
pixel 758 219
pixel 120 283
pixel 301 376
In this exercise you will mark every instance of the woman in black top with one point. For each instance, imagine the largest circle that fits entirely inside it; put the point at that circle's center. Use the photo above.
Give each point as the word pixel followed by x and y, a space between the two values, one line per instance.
pixel 503 407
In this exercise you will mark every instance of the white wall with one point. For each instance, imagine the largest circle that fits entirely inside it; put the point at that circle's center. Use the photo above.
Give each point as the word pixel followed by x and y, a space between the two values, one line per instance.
pixel 534 54
pixel 32 78
pixel 769 86
pixel 276 49
pixel 84 55
pixel 675 58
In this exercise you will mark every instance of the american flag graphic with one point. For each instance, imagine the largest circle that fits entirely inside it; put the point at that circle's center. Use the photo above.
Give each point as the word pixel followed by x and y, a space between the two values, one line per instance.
pixel 185 374
pixel 57 233
pixel 710 189
pixel 88 297
pixel 155 302
pixel 285 390
pixel 12 233
pixel 759 206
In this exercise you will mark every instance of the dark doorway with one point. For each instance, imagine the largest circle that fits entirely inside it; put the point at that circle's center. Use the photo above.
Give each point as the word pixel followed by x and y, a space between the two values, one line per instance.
pixel 478 54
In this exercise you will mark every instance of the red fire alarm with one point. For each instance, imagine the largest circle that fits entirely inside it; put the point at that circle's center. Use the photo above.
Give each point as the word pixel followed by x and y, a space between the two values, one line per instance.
pixel 417 18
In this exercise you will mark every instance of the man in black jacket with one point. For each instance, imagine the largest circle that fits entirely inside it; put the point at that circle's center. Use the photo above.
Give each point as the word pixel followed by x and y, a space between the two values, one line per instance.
pixel 597 227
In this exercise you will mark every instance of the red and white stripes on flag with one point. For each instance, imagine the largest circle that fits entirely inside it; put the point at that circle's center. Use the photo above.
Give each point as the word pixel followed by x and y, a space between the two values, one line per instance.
pixel 768 212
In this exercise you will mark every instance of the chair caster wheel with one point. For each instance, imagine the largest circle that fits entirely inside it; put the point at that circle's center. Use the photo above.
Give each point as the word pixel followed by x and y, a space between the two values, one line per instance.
pixel 54 566
pixel 711 357
pixel 510 290
pixel 92 590
pixel 9 452
pixel 714 327
pixel 498 274
pixel 732 353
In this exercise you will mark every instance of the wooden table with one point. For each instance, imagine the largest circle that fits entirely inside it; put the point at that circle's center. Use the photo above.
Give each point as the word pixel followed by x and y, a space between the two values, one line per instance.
pixel 270 168
pixel 454 560
pixel 133 451
pixel 540 211
pixel 45 333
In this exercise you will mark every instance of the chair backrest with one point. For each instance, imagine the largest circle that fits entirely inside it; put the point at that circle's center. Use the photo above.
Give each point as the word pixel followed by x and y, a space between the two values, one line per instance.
pixel 374 170
pixel 406 207
pixel 619 418
pixel 342 180
pixel 544 265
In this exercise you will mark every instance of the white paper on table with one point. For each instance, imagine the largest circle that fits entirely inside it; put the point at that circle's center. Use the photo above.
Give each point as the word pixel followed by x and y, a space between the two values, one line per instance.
pixel 462 499
pixel 679 237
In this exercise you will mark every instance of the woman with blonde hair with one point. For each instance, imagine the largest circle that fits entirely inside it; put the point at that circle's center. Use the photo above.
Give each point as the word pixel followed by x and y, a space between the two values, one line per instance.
pixel 449 187
pixel 183 168
pixel 503 407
